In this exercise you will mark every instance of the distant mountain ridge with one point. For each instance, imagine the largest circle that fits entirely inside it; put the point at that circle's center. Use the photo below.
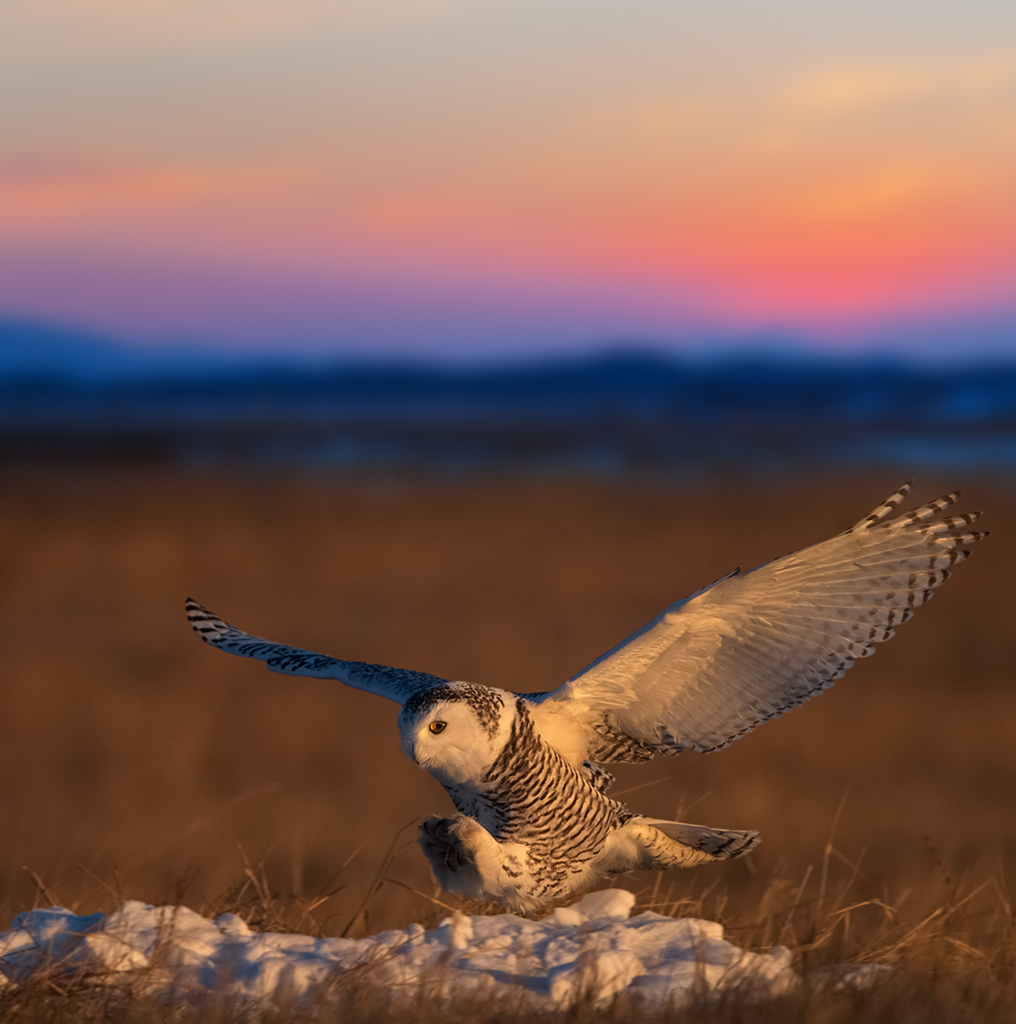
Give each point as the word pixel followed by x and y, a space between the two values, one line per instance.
pixel 70 375
pixel 36 349
pixel 81 397
pixel 41 350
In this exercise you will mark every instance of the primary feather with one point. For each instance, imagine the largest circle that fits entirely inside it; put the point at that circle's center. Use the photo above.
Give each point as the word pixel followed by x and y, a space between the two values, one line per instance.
pixel 534 821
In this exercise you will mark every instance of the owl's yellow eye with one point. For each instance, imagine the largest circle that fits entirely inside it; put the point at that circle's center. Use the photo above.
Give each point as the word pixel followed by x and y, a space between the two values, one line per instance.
pixel 436 727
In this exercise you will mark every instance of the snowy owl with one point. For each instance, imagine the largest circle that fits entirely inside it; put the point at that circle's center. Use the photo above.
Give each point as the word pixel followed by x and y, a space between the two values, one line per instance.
pixel 534 821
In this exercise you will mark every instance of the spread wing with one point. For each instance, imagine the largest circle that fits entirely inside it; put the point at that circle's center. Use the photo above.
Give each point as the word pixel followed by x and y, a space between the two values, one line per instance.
pixel 394 683
pixel 750 647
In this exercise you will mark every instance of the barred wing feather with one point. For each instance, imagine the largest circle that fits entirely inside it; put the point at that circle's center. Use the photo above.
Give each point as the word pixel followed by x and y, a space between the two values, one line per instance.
pixel 752 646
pixel 394 683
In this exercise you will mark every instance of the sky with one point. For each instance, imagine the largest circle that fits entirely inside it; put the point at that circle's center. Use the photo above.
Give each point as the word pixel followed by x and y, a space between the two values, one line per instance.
pixel 482 177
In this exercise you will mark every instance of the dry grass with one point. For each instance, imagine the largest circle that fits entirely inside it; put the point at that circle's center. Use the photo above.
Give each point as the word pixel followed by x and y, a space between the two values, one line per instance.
pixel 141 764
pixel 957 964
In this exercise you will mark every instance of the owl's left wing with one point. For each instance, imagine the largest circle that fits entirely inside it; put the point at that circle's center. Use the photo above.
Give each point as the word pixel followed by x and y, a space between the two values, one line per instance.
pixel 752 646
pixel 394 683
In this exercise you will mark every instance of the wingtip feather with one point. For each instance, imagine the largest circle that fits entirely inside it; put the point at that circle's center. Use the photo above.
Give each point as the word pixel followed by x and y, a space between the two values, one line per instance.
pixel 204 622
pixel 880 512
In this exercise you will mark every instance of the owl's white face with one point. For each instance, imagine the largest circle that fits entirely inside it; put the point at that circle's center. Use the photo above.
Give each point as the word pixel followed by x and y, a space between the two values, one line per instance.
pixel 451 741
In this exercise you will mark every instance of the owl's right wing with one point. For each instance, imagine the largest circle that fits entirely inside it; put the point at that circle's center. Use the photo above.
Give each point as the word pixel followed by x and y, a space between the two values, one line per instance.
pixel 394 683
pixel 754 645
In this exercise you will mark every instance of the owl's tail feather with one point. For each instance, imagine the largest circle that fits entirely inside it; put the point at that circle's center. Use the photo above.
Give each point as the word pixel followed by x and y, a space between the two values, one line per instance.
pixel 666 844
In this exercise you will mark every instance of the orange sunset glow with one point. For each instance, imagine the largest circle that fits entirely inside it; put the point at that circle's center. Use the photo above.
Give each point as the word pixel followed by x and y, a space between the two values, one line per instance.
pixel 402 174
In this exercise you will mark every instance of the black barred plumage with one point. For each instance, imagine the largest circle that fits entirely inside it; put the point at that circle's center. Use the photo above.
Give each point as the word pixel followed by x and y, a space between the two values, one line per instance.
pixel 534 823
pixel 612 746
pixel 535 798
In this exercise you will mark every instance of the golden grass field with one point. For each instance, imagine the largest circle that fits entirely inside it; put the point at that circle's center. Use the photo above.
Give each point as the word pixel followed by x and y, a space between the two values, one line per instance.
pixel 139 763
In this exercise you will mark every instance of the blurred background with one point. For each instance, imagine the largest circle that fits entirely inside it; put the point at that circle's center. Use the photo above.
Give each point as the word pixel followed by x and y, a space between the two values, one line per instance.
pixel 464 337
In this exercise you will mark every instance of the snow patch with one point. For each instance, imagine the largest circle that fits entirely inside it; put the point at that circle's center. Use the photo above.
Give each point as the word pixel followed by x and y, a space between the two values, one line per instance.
pixel 590 951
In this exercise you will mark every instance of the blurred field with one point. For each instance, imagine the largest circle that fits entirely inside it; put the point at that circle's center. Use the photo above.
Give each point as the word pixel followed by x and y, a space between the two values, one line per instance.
pixel 140 763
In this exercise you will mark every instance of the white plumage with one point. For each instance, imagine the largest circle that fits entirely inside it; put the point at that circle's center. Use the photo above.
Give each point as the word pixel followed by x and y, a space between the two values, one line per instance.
pixel 534 822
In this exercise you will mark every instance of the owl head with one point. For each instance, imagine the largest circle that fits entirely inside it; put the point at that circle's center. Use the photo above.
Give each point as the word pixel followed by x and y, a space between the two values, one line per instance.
pixel 457 730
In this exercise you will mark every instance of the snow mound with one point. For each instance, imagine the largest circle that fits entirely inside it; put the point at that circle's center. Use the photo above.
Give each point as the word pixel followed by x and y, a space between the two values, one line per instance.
pixel 591 951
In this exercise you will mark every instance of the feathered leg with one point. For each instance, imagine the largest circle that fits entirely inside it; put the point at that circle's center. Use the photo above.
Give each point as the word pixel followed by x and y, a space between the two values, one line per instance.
pixel 468 861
